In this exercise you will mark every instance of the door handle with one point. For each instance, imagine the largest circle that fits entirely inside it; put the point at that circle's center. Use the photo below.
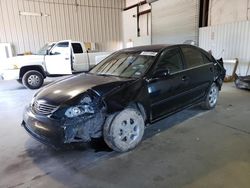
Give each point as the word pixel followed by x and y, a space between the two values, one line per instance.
pixel 185 78
pixel 66 58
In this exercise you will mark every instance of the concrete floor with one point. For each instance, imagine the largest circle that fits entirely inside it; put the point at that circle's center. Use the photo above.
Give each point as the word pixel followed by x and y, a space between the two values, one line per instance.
pixel 193 148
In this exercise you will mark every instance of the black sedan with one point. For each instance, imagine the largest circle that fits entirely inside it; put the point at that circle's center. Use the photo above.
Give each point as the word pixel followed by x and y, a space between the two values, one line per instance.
pixel 129 89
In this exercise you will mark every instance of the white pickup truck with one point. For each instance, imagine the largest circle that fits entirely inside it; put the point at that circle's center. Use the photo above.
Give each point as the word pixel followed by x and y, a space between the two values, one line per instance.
pixel 59 58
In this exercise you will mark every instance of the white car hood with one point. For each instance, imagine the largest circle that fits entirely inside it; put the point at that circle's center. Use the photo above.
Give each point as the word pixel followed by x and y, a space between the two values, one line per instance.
pixel 20 61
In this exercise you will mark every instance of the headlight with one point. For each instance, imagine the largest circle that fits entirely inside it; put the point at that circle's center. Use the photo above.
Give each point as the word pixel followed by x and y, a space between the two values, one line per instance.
pixel 84 107
pixel 9 66
pixel 14 67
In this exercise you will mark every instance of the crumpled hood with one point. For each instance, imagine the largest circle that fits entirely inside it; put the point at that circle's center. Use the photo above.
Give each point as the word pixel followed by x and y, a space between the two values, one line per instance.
pixel 22 60
pixel 61 91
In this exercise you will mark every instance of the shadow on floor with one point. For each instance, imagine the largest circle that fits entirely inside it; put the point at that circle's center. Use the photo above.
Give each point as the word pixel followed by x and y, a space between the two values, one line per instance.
pixel 75 157
pixel 172 120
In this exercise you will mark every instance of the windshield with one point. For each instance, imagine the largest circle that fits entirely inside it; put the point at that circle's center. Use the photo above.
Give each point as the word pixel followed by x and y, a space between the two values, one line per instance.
pixel 45 48
pixel 125 64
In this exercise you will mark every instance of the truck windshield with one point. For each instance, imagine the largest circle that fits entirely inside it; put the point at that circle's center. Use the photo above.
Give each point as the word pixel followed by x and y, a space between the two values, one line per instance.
pixel 45 48
pixel 125 64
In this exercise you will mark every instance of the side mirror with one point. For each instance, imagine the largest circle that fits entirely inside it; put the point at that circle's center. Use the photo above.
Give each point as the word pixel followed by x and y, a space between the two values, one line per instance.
pixel 161 73
pixel 53 53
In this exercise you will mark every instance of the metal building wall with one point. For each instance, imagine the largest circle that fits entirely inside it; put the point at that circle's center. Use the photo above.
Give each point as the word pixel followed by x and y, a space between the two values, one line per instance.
pixel 175 21
pixel 84 20
pixel 130 34
pixel 228 11
pixel 228 41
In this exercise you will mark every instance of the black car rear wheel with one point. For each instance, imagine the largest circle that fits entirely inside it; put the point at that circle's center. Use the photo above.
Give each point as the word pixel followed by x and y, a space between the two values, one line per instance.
pixel 211 98
pixel 123 131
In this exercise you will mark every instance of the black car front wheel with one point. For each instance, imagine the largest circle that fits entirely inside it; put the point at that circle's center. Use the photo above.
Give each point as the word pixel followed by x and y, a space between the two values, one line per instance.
pixel 33 79
pixel 123 131
pixel 211 97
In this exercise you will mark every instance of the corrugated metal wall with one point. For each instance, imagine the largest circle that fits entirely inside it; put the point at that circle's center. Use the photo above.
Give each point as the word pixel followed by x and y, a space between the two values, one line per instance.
pixel 175 21
pixel 85 20
pixel 228 41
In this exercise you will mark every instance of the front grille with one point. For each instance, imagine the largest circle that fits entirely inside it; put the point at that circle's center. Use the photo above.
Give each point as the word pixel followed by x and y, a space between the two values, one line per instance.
pixel 43 108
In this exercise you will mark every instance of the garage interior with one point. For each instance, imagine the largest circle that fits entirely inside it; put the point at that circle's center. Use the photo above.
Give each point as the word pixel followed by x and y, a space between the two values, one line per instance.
pixel 193 148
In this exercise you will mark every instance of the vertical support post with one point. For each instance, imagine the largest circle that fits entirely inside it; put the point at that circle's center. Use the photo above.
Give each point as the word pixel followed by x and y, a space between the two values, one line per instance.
pixel 138 21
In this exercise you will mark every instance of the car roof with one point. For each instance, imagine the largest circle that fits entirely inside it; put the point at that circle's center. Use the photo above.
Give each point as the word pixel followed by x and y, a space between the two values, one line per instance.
pixel 154 48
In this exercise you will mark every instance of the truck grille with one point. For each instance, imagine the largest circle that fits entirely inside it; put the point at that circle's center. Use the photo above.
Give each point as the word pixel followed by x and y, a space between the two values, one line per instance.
pixel 44 109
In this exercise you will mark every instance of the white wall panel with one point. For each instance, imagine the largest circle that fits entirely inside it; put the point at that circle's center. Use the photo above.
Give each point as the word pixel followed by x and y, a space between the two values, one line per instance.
pixel 96 21
pixel 175 21
pixel 228 41
pixel 129 26
pixel 227 11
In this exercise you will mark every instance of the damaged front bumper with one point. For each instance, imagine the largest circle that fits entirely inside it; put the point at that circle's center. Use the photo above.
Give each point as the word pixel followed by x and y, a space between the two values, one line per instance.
pixel 56 133
pixel 43 129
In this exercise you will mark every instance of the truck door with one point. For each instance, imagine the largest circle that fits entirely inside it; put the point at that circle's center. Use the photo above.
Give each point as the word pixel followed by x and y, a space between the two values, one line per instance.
pixel 80 57
pixel 58 60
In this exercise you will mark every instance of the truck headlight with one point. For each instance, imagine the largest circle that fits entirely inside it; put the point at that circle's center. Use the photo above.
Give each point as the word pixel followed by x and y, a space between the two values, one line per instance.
pixel 14 67
pixel 10 67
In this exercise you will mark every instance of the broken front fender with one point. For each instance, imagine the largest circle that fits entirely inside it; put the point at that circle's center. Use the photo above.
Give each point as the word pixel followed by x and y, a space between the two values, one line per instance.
pixel 83 119
pixel 59 129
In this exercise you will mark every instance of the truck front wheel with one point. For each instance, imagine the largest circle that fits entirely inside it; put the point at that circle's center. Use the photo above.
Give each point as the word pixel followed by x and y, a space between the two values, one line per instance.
pixel 32 79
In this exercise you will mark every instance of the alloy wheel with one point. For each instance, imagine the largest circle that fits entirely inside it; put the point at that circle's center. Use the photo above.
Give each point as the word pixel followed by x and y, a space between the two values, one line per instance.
pixel 213 95
pixel 34 80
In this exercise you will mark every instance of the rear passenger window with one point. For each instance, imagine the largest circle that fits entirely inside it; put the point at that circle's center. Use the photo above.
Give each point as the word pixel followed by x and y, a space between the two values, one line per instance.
pixel 170 60
pixel 77 48
pixel 193 57
pixel 205 59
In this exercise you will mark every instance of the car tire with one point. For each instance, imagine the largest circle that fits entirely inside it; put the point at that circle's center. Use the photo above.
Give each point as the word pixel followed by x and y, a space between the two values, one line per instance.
pixel 211 97
pixel 123 131
pixel 19 81
pixel 33 79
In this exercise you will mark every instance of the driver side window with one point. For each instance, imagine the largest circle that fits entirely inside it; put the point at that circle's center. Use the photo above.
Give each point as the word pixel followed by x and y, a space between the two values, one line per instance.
pixel 170 60
pixel 60 48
